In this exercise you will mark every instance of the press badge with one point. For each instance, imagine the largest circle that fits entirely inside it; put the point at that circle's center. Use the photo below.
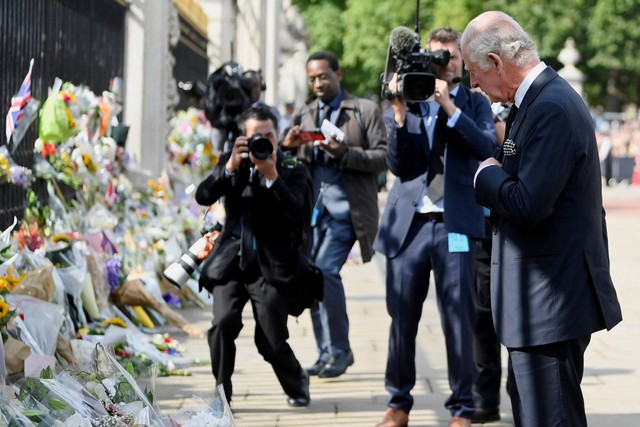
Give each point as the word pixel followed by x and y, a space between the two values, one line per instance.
pixel 458 243
pixel 314 216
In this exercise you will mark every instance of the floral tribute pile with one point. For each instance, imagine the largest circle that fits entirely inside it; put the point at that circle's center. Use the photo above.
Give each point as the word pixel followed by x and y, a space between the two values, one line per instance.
pixel 83 302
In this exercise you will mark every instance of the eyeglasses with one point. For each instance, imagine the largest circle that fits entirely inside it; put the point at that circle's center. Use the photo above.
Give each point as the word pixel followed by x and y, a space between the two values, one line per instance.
pixel 321 78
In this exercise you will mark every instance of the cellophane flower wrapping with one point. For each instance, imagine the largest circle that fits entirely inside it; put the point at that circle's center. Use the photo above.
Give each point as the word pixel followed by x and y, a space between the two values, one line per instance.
pixel 201 411
pixel 123 389
pixel 41 324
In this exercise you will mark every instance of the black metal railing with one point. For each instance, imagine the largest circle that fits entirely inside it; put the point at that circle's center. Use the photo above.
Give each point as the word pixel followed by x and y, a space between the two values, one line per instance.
pixel 192 63
pixel 81 42
pixel 78 41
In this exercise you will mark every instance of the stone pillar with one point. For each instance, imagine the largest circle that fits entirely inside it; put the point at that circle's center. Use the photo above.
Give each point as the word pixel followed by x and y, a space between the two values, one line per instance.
pixel 569 57
pixel 150 91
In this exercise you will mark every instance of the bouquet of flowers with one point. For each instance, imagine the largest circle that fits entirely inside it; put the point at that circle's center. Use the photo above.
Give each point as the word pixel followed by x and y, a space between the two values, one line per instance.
pixel 190 145
pixel 12 173
pixel 9 279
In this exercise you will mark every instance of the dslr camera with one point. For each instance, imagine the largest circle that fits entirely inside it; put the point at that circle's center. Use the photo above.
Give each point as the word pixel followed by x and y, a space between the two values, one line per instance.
pixel 177 273
pixel 416 82
pixel 260 146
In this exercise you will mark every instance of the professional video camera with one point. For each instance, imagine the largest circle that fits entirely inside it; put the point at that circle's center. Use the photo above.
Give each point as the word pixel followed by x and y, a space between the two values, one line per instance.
pixel 227 96
pixel 406 57
pixel 177 273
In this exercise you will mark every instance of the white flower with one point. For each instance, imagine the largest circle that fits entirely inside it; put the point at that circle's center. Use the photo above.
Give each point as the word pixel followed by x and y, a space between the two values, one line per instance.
pixel 77 420
pixel 207 419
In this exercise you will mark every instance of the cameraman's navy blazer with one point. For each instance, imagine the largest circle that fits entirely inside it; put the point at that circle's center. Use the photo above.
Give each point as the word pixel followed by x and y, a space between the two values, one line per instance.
pixel 550 277
pixel 468 142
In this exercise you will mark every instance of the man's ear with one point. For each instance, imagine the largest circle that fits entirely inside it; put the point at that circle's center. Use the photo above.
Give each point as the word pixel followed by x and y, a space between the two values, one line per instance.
pixel 495 60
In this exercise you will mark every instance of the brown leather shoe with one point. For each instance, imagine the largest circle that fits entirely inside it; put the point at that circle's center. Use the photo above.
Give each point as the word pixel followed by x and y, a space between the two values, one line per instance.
pixel 460 422
pixel 394 418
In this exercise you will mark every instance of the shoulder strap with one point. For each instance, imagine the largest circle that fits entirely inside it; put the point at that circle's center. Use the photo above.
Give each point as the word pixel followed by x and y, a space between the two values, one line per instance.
pixel 359 118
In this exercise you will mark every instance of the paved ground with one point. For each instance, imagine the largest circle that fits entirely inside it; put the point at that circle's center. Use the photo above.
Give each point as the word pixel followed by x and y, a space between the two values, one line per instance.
pixel 611 382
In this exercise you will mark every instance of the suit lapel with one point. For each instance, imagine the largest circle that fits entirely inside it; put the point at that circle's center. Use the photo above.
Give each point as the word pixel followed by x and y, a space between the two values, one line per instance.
pixel 536 87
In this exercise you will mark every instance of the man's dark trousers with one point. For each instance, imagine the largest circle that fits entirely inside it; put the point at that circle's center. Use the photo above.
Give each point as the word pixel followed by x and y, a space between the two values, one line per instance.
pixel 270 310
pixel 486 346
pixel 426 249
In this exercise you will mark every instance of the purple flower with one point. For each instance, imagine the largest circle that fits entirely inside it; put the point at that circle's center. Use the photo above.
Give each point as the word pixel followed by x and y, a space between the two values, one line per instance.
pixel 107 245
pixel 114 268
pixel 172 300
pixel 20 176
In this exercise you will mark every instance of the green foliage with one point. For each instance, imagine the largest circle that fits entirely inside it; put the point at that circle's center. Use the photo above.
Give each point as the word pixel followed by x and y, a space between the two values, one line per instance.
pixel 605 33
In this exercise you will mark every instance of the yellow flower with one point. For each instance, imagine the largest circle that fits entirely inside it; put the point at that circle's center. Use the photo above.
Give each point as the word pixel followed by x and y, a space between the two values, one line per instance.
pixel 9 281
pixel 5 310
pixel 88 162
pixel 4 163
pixel 115 321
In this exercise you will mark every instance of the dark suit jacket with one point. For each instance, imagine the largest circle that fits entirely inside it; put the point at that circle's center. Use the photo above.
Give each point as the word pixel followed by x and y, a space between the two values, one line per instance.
pixel 471 140
pixel 280 216
pixel 550 277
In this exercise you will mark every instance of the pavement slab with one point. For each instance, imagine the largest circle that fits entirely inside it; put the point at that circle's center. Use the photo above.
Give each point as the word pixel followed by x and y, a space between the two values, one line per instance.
pixel 611 382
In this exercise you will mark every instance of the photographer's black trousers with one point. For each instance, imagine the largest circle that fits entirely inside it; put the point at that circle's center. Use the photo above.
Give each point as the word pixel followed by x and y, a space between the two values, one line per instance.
pixel 270 311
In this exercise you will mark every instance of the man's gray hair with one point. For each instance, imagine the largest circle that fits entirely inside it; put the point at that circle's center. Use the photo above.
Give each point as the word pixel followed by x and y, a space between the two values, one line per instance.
pixel 500 34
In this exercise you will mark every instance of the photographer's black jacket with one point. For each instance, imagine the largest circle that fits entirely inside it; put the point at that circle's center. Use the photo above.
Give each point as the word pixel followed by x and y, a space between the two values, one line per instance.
pixel 280 216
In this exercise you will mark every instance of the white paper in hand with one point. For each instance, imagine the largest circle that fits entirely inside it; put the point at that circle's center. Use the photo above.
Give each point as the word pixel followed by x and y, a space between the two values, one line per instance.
pixel 329 130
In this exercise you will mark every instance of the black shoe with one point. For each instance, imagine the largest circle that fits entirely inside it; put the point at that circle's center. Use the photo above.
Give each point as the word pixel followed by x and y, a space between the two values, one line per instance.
pixel 316 367
pixel 485 415
pixel 303 398
pixel 337 365
pixel 298 402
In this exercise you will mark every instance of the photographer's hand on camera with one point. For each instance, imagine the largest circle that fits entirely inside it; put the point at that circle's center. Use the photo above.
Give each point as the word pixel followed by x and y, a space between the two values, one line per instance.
pixel 266 167
pixel 210 238
pixel 397 103
pixel 239 152
pixel 442 97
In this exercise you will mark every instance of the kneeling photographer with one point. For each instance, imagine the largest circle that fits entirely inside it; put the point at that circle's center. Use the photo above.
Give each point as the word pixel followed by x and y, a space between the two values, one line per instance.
pixel 257 256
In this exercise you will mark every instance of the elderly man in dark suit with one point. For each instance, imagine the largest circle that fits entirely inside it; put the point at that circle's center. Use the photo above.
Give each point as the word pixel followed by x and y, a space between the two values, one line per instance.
pixel 259 252
pixel 429 224
pixel 550 282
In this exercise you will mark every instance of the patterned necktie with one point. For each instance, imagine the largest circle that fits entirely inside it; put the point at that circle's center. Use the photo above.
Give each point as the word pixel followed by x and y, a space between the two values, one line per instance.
pixel 510 118
pixel 508 146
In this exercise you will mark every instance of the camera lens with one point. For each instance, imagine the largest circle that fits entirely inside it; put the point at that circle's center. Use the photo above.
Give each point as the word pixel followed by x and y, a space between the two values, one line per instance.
pixel 179 272
pixel 260 147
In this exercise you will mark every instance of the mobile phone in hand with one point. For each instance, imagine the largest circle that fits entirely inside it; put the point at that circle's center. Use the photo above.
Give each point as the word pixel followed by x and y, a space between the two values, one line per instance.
pixel 310 135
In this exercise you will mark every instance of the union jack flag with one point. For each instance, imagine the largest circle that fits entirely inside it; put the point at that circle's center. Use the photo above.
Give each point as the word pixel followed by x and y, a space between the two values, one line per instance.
pixel 18 103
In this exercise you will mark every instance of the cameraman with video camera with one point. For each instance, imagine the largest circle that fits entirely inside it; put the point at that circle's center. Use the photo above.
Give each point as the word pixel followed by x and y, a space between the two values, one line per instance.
pixel 429 224
pixel 256 258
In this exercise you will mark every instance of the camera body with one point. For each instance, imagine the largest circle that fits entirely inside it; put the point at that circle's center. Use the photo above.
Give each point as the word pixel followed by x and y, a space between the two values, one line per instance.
pixel 416 81
pixel 177 273
pixel 260 146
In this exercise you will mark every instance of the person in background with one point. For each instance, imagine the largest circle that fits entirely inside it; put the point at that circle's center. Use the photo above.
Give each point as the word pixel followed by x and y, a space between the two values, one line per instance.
pixel 429 225
pixel 550 277
pixel 289 108
pixel 256 257
pixel 256 87
pixel 344 167
pixel 486 346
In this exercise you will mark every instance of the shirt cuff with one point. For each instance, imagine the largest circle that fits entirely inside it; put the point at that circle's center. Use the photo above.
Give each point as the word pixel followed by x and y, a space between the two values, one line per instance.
pixel 454 119
pixel 478 173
